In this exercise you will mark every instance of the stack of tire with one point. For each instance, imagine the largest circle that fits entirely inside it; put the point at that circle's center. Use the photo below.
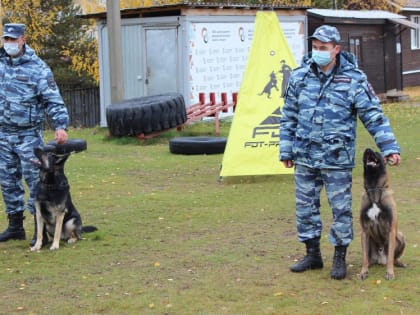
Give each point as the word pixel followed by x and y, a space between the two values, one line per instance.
pixel 146 115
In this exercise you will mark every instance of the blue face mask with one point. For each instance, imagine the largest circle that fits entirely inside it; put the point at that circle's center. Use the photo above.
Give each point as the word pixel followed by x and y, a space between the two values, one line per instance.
pixel 321 58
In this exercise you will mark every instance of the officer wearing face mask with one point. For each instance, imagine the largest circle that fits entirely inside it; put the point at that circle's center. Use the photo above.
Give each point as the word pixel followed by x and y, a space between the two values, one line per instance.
pixel 28 93
pixel 324 98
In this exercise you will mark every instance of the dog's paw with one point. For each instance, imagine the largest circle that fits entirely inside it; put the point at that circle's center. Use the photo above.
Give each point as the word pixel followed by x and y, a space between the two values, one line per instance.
pixel 54 246
pixel 36 248
pixel 72 240
pixel 399 264
pixel 363 275
pixel 389 275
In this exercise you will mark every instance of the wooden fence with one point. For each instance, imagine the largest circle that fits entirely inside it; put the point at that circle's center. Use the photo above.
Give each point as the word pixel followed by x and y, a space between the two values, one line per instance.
pixel 83 106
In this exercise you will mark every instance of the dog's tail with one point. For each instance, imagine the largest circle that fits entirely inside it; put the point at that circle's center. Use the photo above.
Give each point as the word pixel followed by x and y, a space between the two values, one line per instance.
pixel 89 228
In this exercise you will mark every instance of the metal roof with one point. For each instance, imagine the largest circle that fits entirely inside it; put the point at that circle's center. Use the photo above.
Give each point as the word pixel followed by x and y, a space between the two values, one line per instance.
pixel 356 14
pixel 162 8
pixel 367 15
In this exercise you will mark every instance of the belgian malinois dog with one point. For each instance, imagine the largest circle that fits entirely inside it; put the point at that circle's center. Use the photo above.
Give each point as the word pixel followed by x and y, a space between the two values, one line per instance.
pixel 382 243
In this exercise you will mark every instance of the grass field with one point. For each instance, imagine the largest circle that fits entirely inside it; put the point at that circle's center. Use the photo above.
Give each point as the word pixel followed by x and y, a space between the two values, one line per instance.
pixel 173 240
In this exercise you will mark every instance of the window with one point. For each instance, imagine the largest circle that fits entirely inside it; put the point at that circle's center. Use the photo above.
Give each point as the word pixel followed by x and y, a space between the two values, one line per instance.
pixel 356 48
pixel 415 33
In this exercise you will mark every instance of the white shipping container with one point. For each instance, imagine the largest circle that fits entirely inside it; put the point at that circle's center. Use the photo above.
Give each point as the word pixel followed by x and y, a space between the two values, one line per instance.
pixel 189 54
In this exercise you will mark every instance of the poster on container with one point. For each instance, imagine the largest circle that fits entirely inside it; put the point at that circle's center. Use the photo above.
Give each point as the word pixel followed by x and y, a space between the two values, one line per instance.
pixel 252 147
pixel 218 54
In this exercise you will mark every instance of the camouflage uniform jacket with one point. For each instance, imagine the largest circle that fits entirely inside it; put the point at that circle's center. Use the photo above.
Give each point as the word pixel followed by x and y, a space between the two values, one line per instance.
pixel 319 116
pixel 27 92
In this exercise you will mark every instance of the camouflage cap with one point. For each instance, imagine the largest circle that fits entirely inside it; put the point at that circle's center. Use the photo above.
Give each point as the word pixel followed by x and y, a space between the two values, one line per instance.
pixel 13 30
pixel 326 33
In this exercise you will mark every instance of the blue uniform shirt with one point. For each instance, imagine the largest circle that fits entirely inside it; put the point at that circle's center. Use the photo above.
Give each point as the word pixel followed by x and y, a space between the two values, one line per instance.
pixel 28 91
pixel 319 115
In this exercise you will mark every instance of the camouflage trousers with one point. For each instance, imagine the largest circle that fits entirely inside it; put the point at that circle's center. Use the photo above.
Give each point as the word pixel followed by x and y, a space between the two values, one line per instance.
pixel 17 162
pixel 338 183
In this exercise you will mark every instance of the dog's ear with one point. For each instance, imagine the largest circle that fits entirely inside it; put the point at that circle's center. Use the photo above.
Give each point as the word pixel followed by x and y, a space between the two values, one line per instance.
pixel 365 155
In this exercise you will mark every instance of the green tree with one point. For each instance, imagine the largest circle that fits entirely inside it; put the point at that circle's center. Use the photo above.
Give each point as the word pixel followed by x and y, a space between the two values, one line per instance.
pixel 91 6
pixel 59 37
pixel 368 5
pixel 327 4
pixel 353 5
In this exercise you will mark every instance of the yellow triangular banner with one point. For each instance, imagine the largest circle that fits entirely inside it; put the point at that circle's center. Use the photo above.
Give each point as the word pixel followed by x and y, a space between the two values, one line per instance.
pixel 252 147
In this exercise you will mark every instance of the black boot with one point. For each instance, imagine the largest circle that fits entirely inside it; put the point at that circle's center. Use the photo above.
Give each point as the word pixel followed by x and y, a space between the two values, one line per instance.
pixel 339 270
pixel 44 235
pixel 312 260
pixel 15 229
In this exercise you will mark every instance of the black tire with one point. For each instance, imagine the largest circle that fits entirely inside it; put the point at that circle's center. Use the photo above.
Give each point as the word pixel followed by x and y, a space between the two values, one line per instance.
pixel 197 145
pixel 71 146
pixel 49 148
pixel 146 114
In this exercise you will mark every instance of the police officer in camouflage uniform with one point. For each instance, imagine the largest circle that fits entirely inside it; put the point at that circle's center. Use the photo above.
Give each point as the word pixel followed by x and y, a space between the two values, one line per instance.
pixel 325 95
pixel 27 92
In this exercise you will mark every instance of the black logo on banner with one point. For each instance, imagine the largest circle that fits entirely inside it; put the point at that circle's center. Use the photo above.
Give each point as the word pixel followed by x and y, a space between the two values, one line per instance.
pixel 267 133
pixel 285 71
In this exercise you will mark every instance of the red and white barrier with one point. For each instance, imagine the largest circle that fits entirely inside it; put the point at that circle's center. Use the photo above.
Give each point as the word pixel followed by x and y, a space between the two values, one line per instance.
pixel 210 109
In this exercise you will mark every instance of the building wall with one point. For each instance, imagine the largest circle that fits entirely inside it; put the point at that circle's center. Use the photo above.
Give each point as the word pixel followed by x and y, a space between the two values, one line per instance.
pixel 411 59
pixel 372 52
pixel 372 60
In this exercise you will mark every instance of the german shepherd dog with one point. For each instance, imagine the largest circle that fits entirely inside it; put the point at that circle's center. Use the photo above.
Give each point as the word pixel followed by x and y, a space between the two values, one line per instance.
pixel 382 243
pixel 56 215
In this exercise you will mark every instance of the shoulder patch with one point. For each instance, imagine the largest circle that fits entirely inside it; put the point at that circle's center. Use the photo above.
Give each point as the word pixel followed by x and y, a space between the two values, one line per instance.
pixel 22 78
pixel 51 83
pixel 371 90
pixel 341 79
